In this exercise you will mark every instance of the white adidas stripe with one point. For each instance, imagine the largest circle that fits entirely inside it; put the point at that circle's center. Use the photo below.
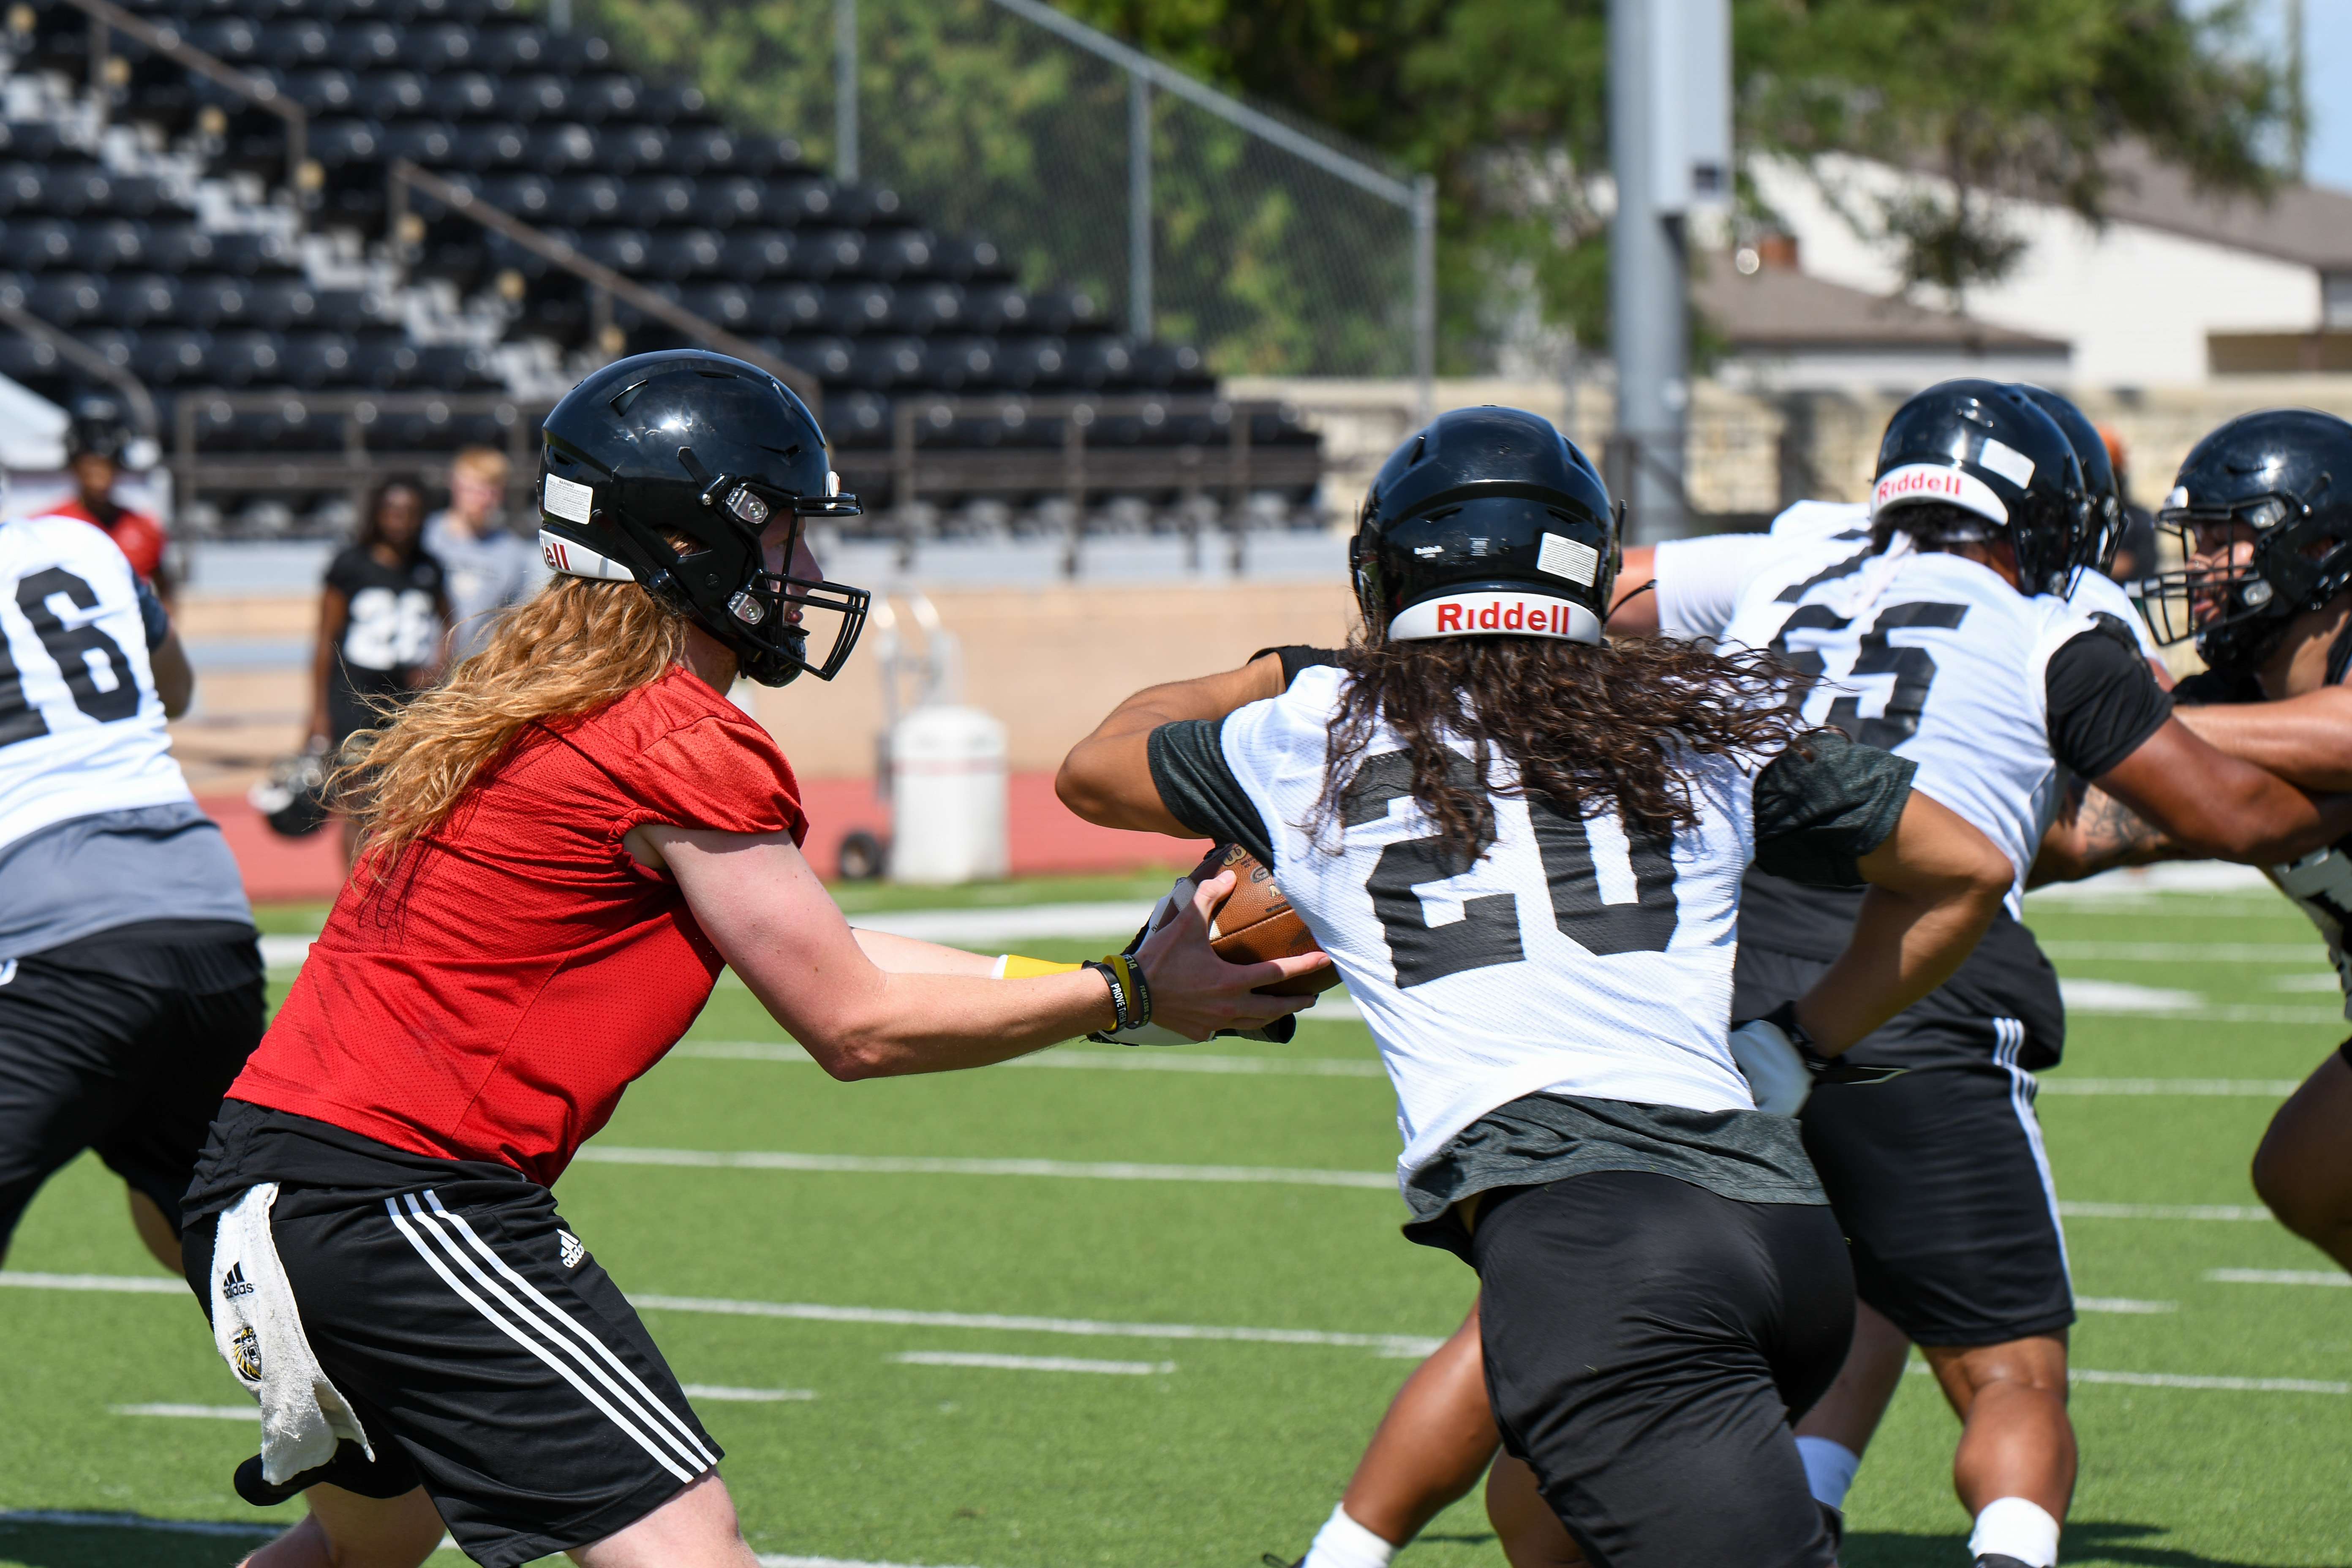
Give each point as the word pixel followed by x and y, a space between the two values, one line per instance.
pixel 430 1252
pixel 639 1396
pixel 2011 1033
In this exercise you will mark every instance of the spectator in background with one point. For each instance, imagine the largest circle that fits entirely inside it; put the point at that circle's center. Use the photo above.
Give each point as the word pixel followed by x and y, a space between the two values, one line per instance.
pixel 2136 551
pixel 94 457
pixel 383 620
pixel 489 566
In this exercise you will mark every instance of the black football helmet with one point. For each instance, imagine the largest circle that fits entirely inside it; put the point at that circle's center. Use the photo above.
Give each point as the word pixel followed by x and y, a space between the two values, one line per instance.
pixel 1489 522
pixel 2099 481
pixel 293 798
pixel 2275 474
pixel 694 446
pixel 1988 456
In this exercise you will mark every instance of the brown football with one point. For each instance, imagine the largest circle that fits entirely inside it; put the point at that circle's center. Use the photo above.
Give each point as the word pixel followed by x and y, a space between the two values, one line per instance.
pixel 1255 922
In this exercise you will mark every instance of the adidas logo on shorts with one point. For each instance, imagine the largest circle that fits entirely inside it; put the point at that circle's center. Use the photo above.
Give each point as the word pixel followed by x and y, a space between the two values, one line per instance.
pixel 569 1245
pixel 233 1283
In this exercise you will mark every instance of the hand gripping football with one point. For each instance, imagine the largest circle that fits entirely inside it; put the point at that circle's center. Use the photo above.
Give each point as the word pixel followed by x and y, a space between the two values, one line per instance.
pixel 1255 922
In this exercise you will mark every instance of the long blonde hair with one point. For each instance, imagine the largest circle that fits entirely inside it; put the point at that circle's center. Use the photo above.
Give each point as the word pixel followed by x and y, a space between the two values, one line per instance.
pixel 575 646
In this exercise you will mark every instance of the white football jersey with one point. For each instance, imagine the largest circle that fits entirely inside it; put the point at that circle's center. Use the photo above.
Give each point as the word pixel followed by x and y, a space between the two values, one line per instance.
pixel 1937 658
pixel 81 729
pixel 1569 960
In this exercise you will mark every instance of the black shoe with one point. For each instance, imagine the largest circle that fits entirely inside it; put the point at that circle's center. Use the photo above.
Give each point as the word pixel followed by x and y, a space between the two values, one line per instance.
pixel 1996 1559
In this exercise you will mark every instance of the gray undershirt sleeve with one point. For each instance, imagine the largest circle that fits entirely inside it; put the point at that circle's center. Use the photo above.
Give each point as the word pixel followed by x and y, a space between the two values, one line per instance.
pixel 1825 803
pixel 1187 765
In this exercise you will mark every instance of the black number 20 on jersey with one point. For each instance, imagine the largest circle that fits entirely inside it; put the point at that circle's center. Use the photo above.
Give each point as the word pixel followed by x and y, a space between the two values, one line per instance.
pixel 1488 932
pixel 74 649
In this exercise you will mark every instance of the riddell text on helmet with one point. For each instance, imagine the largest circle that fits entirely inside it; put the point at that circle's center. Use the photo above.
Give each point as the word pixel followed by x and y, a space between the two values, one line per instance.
pixel 1464 614
pixel 1931 481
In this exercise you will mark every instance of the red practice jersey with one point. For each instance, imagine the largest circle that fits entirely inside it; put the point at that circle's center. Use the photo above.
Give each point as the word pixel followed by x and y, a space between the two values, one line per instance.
pixel 519 968
pixel 137 535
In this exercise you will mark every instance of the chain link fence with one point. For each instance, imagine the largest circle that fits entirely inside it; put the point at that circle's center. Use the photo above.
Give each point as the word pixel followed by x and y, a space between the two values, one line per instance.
pixel 1270 247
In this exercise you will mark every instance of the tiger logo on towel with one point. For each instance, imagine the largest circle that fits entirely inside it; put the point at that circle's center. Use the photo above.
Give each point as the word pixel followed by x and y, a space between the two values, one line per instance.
pixel 247 1348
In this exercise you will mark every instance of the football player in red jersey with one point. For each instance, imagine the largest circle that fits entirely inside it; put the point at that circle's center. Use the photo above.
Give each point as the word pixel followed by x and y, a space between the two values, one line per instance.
pixel 566 843
pixel 94 457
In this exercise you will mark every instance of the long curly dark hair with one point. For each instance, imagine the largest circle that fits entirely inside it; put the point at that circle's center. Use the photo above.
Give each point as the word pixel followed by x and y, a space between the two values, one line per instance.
pixel 1582 725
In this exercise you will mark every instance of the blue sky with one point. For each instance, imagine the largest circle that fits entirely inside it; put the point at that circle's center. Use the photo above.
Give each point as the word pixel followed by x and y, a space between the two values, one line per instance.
pixel 2327 42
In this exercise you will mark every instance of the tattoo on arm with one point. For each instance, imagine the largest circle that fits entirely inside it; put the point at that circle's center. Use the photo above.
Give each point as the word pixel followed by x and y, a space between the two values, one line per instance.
pixel 2109 833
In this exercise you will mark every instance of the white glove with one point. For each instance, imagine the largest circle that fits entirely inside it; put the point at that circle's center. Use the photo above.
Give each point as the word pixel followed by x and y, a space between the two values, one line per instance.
pixel 1777 1075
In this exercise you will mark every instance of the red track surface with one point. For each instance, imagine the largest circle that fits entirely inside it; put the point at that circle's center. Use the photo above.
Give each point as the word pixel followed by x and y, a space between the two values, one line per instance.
pixel 1046 839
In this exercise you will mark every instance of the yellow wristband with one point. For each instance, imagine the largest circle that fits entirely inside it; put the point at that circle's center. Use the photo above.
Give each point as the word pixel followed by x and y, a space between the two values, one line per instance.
pixel 1012 966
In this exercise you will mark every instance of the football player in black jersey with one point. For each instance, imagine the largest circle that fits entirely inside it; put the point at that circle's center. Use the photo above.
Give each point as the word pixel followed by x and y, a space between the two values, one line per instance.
pixel 2262 512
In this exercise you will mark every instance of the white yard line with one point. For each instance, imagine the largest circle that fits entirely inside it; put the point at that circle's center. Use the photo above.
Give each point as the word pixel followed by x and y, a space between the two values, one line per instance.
pixel 2189 1380
pixel 251 1412
pixel 2245 1088
pixel 76 1519
pixel 1033 1362
pixel 125 1284
pixel 2249 1212
pixel 2135 882
pixel 1084 1328
pixel 725 1395
pixel 2124 1305
pixel 919 1165
pixel 2325 1278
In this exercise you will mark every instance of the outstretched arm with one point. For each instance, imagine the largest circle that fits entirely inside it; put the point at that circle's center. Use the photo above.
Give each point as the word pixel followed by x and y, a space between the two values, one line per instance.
pixel 2095 832
pixel 1107 777
pixel 2306 740
pixel 2209 804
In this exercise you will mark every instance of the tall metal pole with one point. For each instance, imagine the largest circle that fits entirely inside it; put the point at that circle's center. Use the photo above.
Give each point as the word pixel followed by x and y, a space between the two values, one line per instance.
pixel 1138 209
pixel 2298 89
pixel 1424 295
pixel 1649 331
pixel 844 91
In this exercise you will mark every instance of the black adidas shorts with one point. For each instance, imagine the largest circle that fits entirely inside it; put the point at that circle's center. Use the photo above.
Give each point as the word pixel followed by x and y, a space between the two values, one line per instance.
pixel 490 1359
pixel 124 1043
pixel 1648 1346
pixel 1938 1176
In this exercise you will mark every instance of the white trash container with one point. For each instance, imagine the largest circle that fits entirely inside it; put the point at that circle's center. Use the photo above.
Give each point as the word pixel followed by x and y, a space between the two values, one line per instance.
pixel 947 798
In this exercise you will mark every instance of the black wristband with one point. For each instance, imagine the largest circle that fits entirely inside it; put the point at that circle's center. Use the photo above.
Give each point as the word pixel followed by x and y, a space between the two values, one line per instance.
pixel 1130 996
pixel 1297 657
pixel 1825 1068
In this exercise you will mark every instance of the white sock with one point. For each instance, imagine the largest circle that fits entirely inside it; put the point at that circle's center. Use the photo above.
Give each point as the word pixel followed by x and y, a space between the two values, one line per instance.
pixel 1829 1468
pixel 1344 1543
pixel 2012 1527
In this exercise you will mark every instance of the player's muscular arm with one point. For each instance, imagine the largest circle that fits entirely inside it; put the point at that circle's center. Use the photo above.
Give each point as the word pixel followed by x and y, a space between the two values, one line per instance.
pixel 334 617
pixel 1935 883
pixel 2209 804
pixel 1107 778
pixel 908 955
pixel 2305 739
pixel 2095 832
pixel 772 920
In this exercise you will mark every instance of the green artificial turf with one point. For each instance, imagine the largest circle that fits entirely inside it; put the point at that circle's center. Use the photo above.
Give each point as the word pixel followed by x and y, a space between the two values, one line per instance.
pixel 1243 1447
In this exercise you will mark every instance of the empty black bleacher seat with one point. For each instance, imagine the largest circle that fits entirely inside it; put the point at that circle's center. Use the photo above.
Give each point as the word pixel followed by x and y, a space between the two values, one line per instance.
pixel 242 357
pixel 584 199
pixel 503 52
pixel 365 46
pixel 64 298
pixel 826 358
pixel 926 307
pixel 317 359
pixel 857 306
pixel 383 359
pixel 533 97
pixel 1175 366
pixel 38 244
pixel 296 44
pixel 336 143
pixel 748 254
pixel 110 244
pixel 281 303
pixel 622 249
pixel 328 91
pixel 575 54
pixel 674 103
pixel 968 260
pixel 178 248
pixel 169 355
pixel 827 252
pixel 606 97
pixel 251 252
pixel 426 141
pixel 660 198
pixel 231 38
pixel 727 201
pixel 788 308
pixel 343 309
pixel 454 367
pixel 700 149
pixel 391 95
pixel 865 205
pixel 682 253
pixel 135 298
pixel 955 363
pixel 881 364
pixel 1100 360
pixel 1032 362
pixel 728 304
pixel 36 140
pixel 25 359
pixel 557 147
pixel 858 419
pixel 437 47
pixel 461 95
pixel 490 145
pixel 527 196
pixel 996 308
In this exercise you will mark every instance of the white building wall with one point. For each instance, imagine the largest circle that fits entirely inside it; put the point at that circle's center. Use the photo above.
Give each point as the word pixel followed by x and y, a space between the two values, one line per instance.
pixel 2136 303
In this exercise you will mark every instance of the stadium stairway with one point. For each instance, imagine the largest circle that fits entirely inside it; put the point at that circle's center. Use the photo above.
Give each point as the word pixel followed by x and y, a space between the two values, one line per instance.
pixel 162 233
